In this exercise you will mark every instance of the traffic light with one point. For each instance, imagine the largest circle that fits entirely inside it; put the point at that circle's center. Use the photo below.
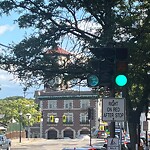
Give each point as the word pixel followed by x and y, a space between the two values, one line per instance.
pixel 92 80
pixel 101 128
pixel 38 118
pixel 105 67
pixel 112 67
pixel 90 113
pixel 121 67
pixel 51 118
pixel 64 118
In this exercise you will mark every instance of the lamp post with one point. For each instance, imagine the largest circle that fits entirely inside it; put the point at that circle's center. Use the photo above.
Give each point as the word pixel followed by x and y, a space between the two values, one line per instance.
pixel 20 121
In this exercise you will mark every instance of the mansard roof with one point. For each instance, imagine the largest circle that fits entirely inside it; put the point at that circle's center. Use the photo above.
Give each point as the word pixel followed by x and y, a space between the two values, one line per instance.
pixel 58 50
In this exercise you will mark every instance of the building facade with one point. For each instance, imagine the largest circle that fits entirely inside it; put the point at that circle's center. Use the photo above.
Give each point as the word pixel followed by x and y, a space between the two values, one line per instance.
pixel 65 113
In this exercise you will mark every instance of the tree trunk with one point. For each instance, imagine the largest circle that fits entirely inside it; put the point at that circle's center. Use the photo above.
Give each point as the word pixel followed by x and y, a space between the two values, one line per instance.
pixel 134 129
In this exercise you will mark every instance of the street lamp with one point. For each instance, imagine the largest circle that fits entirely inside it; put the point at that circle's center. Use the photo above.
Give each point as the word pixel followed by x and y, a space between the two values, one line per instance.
pixel 20 121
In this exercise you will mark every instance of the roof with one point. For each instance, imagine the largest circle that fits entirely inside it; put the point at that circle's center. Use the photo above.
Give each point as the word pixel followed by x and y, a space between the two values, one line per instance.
pixel 67 94
pixel 58 50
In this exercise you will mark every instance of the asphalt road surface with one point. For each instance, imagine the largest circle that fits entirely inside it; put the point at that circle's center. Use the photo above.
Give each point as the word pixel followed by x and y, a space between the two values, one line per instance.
pixel 58 144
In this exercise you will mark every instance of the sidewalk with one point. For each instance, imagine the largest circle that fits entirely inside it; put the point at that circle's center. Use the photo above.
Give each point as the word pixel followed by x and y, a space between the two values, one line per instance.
pixel 16 142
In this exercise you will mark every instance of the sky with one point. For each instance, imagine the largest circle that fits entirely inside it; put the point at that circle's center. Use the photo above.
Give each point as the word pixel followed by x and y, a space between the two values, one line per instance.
pixel 10 32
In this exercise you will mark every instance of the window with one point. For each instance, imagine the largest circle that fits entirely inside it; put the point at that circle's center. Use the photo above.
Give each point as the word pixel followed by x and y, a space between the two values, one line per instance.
pixel 69 118
pixel 84 104
pixel 52 104
pixel 84 118
pixel 68 104
pixel 51 117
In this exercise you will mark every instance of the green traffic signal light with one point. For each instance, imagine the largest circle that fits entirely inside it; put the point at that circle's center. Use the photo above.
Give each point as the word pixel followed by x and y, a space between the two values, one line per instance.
pixel 92 81
pixel 121 80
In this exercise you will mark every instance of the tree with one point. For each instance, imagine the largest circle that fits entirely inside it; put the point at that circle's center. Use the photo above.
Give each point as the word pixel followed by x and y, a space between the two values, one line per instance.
pixel 83 24
pixel 12 106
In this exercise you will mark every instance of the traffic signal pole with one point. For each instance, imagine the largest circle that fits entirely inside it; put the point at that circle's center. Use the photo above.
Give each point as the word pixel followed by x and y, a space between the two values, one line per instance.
pixel 90 118
pixel 90 133
pixel 112 71
pixel 112 124
pixel 112 129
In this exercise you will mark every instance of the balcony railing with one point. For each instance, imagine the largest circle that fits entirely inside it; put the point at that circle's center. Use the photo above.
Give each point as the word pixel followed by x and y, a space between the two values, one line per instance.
pixel 68 122
pixel 84 122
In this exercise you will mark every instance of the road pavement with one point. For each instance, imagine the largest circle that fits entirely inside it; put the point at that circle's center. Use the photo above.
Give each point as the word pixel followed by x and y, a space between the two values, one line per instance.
pixel 52 144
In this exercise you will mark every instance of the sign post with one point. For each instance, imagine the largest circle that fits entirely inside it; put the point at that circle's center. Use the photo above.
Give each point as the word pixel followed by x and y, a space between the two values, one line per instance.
pixel 113 110
pixel 145 125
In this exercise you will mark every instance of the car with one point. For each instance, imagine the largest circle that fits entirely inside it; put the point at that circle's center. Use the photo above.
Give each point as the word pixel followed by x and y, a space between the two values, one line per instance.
pixel 82 148
pixel 5 143
pixel 85 148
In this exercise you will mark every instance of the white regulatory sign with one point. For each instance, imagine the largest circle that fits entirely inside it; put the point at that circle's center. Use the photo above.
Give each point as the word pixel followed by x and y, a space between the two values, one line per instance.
pixel 113 109
pixel 113 144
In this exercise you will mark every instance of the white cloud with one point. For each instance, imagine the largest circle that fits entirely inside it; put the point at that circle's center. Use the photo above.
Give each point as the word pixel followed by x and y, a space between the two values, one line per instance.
pixel 5 76
pixel 5 28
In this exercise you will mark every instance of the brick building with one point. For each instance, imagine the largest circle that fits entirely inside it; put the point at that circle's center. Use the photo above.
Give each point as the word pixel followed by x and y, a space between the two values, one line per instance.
pixel 71 104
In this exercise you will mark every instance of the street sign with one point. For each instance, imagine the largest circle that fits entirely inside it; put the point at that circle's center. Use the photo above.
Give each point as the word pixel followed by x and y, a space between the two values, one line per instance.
pixel 113 109
pixel 145 125
pixel 112 144
pixel 28 115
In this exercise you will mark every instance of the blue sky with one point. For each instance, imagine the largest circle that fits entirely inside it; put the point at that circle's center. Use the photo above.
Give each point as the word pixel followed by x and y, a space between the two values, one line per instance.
pixel 10 32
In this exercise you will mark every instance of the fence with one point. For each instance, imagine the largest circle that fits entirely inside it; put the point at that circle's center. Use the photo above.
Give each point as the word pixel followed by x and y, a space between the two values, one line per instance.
pixel 14 130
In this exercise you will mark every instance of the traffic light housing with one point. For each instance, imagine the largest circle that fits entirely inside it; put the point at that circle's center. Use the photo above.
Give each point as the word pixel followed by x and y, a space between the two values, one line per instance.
pixel 103 76
pixel 101 128
pixel 64 118
pixel 104 66
pixel 38 118
pixel 92 80
pixel 52 118
pixel 112 67
pixel 90 113
pixel 121 67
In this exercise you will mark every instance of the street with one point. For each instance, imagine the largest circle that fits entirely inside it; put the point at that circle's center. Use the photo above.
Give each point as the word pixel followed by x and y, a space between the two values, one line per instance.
pixel 58 144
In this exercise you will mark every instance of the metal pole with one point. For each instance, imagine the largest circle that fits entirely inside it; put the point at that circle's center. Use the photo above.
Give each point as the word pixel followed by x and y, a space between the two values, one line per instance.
pixel 146 134
pixel 20 128
pixel 28 129
pixel 90 133
pixel 112 124
pixel 120 135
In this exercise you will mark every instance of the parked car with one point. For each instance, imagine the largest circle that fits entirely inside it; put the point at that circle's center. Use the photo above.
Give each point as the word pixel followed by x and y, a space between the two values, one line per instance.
pixel 5 143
